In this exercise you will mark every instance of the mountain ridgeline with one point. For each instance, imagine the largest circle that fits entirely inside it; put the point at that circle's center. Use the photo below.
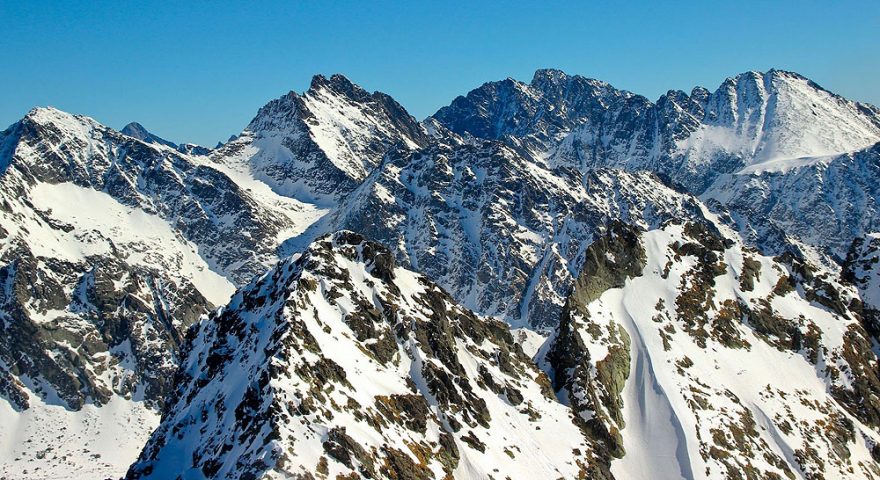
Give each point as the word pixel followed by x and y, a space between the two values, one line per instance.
pixel 553 279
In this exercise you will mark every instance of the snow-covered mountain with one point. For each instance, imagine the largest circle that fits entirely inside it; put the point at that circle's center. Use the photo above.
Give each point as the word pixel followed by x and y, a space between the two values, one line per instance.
pixel 798 161
pixel 338 363
pixel 198 200
pixel 503 235
pixel 751 119
pixel 114 242
pixel 318 146
pixel 692 356
pixel 557 207
pixel 136 130
pixel 109 249
pixel 666 365
pixel 821 201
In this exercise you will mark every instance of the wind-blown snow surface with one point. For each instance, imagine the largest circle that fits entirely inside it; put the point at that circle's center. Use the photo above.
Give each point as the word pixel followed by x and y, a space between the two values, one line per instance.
pixel 768 117
pixel 338 362
pixel 735 368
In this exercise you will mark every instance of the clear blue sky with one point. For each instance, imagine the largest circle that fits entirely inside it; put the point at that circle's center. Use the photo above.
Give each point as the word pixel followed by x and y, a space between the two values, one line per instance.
pixel 198 71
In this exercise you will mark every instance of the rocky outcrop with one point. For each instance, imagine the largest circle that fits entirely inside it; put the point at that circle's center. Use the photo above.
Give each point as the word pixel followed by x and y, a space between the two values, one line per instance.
pixel 592 386
pixel 117 331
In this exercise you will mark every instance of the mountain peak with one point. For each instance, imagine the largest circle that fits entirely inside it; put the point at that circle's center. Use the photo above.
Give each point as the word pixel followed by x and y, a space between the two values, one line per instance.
pixel 337 83
pixel 767 77
pixel 136 130
pixel 549 75
pixel 47 115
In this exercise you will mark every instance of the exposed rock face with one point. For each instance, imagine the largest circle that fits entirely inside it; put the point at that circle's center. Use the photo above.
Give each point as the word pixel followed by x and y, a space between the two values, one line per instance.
pixel 504 236
pixel 862 269
pixel 593 390
pixel 117 331
pixel 664 349
pixel 538 115
pixel 339 362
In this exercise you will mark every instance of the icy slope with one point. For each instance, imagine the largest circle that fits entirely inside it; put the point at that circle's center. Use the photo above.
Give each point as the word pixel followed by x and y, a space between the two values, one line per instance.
pixel 692 356
pixel 763 117
pixel 339 363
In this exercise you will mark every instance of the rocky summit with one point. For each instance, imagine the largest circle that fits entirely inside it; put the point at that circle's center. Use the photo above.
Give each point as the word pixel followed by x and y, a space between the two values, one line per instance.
pixel 552 279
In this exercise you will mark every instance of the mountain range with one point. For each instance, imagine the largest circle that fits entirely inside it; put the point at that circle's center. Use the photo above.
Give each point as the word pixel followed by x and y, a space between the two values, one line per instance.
pixel 554 279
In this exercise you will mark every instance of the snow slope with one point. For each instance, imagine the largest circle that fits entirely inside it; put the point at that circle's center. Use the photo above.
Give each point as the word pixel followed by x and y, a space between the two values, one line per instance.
pixel 145 240
pixel 823 202
pixel 49 441
pixel 700 338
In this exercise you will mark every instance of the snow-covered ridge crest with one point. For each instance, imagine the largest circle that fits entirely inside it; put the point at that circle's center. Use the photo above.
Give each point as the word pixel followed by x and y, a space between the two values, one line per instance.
pixel 338 362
